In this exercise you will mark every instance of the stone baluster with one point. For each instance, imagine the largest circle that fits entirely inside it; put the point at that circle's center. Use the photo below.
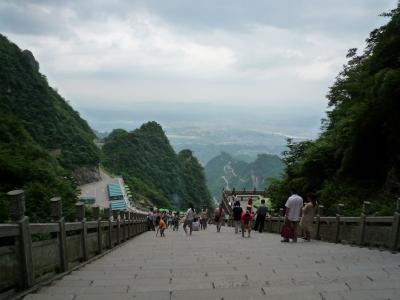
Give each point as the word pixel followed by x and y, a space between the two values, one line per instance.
pixel 122 218
pixel 128 225
pixel 395 233
pixel 80 217
pixel 338 214
pixel 97 218
pixel 320 212
pixel 24 242
pixel 132 226
pixel 57 217
pixel 363 222
pixel 116 218
pixel 107 213
pixel 281 219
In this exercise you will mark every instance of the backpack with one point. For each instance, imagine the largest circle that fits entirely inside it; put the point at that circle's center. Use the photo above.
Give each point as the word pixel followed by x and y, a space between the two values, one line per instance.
pixel 217 214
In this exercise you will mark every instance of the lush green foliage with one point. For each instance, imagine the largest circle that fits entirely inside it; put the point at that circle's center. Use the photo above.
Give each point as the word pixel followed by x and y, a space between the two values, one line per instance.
pixel 47 117
pixel 152 169
pixel 356 157
pixel 36 126
pixel 24 164
pixel 224 169
pixel 194 181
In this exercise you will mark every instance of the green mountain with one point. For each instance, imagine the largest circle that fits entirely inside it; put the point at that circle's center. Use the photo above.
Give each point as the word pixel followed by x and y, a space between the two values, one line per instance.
pixel 224 171
pixel 42 139
pixel 44 114
pixel 152 169
pixel 356 158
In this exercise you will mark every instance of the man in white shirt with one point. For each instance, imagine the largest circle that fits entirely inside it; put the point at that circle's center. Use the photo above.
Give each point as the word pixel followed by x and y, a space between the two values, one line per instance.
pixel 293 205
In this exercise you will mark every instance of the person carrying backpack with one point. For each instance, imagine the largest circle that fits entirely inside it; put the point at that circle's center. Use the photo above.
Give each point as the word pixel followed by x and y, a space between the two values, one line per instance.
pixel 237 215
pixel 219 217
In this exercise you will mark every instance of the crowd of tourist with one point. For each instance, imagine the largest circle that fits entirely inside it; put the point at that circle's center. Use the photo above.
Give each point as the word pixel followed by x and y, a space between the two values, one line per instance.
pixel 297 212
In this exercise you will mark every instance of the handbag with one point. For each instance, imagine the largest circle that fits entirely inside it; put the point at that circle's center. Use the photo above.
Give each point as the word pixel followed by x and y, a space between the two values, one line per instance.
pixel 287 231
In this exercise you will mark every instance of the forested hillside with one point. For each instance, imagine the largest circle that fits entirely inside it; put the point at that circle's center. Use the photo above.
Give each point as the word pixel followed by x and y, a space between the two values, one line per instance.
pixel 224 171
pixel 151 167
pixel 48 118
pixel 42 139
pixel 357 156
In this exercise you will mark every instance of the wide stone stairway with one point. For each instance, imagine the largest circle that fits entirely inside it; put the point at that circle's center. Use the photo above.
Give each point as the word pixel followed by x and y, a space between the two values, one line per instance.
pixel 210 265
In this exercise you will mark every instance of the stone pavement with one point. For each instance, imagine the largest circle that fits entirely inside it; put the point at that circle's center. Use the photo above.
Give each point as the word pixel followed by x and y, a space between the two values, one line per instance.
pixel 226 266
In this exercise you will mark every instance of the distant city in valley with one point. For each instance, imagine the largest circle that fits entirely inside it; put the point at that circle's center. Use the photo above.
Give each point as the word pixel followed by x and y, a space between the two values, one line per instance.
pixel 209 130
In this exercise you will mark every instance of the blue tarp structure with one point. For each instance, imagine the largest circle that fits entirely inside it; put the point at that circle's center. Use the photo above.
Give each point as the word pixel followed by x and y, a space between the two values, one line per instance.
pixel 118 204
pixel 114 192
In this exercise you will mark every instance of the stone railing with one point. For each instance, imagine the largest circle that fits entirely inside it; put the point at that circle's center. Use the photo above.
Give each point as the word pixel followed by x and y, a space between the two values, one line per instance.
pixel 60 246
pixel 371 231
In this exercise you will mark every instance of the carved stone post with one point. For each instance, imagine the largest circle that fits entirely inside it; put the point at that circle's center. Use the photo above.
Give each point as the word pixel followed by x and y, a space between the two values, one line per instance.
pixel 96 217
pixel 280 219
pixel 80 217
pixel 319 214
pixel 24 242
pixel 56 216
pixel 394 241
pixel 135 222
pixel 338 213
pixel 107 213
pixel 127 225
pixel 363 223
pixel 116 218
pixel 122 218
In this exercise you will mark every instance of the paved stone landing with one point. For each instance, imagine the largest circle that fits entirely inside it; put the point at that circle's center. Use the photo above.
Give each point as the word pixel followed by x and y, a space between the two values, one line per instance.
pixel 210 265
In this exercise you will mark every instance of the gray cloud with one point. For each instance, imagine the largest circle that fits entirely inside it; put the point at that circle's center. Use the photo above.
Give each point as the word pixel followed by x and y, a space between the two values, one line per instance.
pixel 278 56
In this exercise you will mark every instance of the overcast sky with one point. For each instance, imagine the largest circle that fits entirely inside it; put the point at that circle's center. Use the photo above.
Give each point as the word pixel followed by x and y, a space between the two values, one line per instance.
pixel 277 56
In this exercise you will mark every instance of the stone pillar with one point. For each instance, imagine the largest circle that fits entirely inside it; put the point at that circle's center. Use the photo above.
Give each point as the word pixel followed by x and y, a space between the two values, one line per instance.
pixel 363 217
pixel 338 214
pixel 116 218
pixel 132 222
pixel 107 213
pixel 97 218
pixel 280 220
pixel 80 217
pixel 319 214
pixel 16 200
pixel 394 241
pixel 135 224
pixel 56 216
pixel 127 225
pixel 123 229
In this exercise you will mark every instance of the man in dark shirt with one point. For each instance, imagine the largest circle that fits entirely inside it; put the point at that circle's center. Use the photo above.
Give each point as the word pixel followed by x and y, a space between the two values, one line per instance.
pixel 261 213
pixel 237 215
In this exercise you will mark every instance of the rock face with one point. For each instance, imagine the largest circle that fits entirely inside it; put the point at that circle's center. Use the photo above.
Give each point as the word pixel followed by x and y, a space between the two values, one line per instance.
pixel 34 63
pixel 87 174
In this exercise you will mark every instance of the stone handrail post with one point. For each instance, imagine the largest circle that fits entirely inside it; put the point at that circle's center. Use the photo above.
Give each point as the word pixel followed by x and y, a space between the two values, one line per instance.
pixel 122 218
pixel 97 218
pixel 80 217
pixel 320 211
pixel 108 215
pixel 338 214
pixel 116 218
pixel 128 225
pixel 57 217
pixel 280 220
pixel 24 242
pixel 132 222
pixel 395 233
pixel 363 222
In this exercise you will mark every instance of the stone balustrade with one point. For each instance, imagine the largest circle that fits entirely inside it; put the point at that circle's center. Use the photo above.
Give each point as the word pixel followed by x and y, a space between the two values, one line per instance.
pixel 33 252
